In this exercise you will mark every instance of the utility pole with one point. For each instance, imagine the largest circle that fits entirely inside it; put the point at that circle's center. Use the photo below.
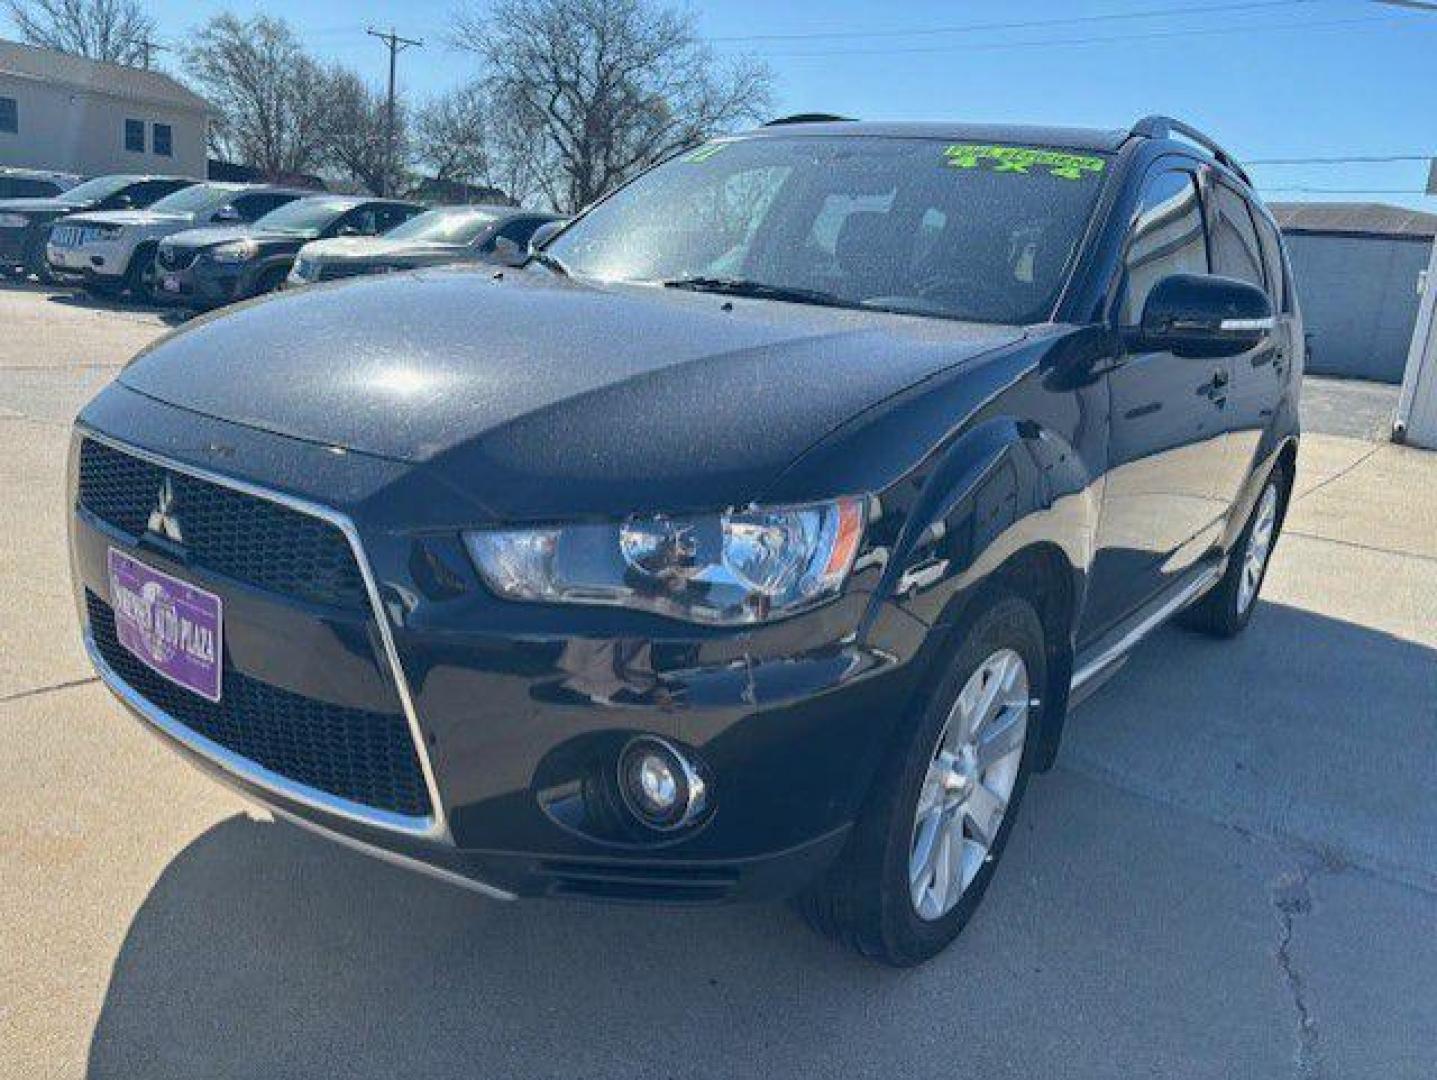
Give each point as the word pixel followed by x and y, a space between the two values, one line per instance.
pixel 151 47
pixel 396 45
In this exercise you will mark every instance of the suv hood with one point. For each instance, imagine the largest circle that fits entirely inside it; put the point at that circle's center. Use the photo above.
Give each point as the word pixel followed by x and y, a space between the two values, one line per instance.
pixel 348 248
pixel 520 385
pixel 56 205
pixel 133 218
pixel 219 234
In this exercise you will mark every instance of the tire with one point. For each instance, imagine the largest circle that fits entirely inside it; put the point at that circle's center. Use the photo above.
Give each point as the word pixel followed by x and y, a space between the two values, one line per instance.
pixel 34 261
pixel 874 898
pixel 1227 608
pixel 269 281
pixel 140 274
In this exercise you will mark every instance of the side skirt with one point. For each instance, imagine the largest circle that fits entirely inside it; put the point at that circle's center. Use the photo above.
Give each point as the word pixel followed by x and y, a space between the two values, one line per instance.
pixel 1102 661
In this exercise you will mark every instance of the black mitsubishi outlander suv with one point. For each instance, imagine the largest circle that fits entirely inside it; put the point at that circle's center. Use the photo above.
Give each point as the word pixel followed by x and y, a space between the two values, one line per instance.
pixel 753 540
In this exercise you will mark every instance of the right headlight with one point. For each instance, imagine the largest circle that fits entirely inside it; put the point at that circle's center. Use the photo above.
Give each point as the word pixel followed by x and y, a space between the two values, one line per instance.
pixel 729 569
pixel 235 251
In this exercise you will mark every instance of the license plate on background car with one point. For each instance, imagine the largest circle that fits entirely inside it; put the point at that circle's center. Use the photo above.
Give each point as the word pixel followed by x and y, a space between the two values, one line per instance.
pixel 171 626
pixel 170 283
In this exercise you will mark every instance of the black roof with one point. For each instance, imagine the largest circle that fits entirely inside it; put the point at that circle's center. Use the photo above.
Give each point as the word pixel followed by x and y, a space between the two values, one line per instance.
pixel 1061 138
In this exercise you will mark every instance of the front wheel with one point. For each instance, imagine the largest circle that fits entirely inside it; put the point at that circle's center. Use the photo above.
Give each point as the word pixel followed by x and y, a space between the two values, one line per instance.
pixel 926 846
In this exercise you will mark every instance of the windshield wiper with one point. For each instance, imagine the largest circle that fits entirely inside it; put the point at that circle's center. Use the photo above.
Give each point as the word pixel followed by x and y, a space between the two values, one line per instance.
pixel 759 290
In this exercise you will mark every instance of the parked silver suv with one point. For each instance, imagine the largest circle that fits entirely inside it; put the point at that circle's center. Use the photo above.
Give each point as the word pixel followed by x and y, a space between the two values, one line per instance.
pixel 109 252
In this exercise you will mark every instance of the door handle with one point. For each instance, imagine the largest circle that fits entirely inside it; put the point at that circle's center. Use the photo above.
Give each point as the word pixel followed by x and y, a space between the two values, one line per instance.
pixel 1219 378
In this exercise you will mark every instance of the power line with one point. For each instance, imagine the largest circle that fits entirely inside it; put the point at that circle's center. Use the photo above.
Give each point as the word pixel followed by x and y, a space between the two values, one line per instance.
pixel 396 45
pixel 1381 159
pixel 1107 39
pixel 1342 191
pixel 1026 24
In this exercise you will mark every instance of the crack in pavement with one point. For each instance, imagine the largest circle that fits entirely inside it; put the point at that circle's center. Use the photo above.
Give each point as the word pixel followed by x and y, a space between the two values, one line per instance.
pixel 1291 897
pixel 21 695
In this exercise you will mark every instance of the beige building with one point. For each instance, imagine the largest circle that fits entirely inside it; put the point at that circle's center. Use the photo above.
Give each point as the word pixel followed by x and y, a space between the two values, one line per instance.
pixel 67 113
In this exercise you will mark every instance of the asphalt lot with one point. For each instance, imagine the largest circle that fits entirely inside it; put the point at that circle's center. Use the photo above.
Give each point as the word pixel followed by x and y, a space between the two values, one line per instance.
pixel 1232 872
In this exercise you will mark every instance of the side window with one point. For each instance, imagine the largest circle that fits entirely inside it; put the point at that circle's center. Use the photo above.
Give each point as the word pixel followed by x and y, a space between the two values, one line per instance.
pixel 1167 238
pixel 520 229
pixel 1235 252
pixel 254 207
pixel 386 217
pixel 135 136
pixel 164 140
pixel 1272 259
pixel 9 115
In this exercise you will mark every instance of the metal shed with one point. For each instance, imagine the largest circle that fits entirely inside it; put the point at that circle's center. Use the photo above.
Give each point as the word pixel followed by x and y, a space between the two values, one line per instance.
pixel 1357 266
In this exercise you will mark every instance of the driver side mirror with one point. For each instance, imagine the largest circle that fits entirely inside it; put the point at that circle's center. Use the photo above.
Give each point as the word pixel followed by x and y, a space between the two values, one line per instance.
pixel 1203 315
pixel 227 215
pixel 544 233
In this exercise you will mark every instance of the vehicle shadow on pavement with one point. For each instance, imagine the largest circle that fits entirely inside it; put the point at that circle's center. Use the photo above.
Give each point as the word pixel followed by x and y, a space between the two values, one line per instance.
pixel 1122 936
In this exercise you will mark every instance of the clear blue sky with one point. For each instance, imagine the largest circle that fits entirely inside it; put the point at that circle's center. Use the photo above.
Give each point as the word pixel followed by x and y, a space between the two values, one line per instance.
pixel 1300 78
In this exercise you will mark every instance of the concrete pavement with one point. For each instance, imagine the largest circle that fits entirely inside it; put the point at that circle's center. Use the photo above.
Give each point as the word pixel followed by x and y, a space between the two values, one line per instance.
pixel 1232 872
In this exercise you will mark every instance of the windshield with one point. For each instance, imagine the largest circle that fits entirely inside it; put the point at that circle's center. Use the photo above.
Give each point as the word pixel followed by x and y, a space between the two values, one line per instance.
pixel 194 200
pixel 930 227
pixel 101 187
pixel 304 215
pixel 444 226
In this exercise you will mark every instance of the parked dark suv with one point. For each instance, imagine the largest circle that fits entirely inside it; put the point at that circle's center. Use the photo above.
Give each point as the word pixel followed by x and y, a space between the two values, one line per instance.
pixel 753 541
pixel 207 268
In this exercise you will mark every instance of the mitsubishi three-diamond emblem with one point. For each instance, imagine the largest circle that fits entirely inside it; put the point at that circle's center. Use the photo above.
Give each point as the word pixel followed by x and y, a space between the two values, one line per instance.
pixel 163 521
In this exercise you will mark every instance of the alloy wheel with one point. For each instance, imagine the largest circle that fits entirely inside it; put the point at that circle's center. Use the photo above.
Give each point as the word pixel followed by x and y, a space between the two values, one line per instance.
pixel 969 784
pixel 1259 548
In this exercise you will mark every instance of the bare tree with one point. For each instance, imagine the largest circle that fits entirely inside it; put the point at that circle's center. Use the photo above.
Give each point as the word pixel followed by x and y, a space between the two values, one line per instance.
pixel 595 90
pixel 451 135
pixel 269 94
pixel 355 127
pixel 115 30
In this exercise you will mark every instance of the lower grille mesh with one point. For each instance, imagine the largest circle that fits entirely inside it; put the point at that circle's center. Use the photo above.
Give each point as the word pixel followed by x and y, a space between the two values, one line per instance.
pixel 365 757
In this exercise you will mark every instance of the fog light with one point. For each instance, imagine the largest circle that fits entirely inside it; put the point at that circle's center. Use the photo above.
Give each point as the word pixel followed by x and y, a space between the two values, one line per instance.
pixel 659 785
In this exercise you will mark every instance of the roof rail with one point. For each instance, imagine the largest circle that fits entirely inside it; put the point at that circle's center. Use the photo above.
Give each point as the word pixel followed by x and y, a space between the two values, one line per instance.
pixel 808 118
pixel 1165 127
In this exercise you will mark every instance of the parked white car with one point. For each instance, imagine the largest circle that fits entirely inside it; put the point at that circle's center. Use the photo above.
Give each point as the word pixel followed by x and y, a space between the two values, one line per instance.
pixel 113 251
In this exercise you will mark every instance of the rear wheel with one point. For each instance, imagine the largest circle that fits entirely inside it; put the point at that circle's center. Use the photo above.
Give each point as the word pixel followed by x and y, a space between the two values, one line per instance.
pixel 140 277
pixel 925 848
pixel 1227 609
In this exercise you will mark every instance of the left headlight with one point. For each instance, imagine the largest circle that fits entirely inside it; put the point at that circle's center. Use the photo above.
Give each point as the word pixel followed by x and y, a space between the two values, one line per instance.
pixel 235 251
pixel 728 569
pixel 12 221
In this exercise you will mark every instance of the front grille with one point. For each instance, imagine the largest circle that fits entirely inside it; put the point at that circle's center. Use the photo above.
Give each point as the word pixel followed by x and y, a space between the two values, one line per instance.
pixel 71 236
pixel 243 537
pixel 365 757
pixel 172 258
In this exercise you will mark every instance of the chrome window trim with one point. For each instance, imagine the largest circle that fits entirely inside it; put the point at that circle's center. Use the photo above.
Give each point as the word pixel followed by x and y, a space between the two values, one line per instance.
pixel 432 827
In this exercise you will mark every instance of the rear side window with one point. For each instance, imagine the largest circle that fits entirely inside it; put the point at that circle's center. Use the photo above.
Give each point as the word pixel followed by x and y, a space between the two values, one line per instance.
pixel 254 207
pixel 1235 251
pixel 1272 259
pixel 1167 238
pixel 14 187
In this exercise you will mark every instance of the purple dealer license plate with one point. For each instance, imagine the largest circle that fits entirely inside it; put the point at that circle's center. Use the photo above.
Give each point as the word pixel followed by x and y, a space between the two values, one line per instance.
pixel 173 627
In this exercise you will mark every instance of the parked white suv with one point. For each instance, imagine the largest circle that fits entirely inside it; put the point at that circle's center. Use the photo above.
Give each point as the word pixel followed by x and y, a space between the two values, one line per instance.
pixel 113 251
